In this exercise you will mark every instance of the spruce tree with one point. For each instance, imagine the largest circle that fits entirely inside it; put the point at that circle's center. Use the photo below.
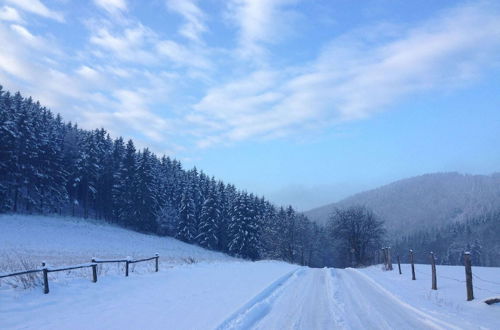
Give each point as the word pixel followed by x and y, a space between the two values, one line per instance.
pixel 186 230
pixel 209 222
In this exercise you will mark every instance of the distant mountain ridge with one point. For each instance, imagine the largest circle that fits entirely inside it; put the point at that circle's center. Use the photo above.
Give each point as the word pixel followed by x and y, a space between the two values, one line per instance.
pixel 424 201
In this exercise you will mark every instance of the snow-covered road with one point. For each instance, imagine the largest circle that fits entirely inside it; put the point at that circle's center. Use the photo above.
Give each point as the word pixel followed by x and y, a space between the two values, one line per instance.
pixel 253 295
pixel 329 299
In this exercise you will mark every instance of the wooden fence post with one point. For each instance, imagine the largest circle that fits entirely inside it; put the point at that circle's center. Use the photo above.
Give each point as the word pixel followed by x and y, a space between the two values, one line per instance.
pixel 399 266
pixel 45 278
pixel 433 266
pixel 126 267
pixel 412 266
pixel 389 261
pixel 156 261
pixel 94 271
pixel 468 276
pixel 384 251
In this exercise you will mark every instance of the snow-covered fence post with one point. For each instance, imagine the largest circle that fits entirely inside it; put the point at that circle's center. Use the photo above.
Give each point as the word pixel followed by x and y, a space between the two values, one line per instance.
pixel 45 278
pixel 433 266
pixel 399 265
pixel 389 261
pixel 468 276
pixel 412 266
pixel 94 271
pixel 156 261
pixel 126 265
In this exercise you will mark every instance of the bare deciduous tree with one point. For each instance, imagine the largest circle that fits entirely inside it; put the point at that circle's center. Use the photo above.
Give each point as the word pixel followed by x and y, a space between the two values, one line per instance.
pixel 357 231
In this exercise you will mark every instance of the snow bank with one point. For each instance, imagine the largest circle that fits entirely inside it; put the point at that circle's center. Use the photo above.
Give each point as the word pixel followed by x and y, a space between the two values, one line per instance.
pixel 448 303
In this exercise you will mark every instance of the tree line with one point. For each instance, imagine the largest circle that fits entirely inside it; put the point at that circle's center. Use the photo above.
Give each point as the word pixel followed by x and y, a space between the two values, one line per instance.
pixel 478 235
pixel 48 166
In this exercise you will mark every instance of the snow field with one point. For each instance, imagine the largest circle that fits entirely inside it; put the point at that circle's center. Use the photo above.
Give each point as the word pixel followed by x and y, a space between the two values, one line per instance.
pixel 27 241
pixel 65 240
pixel 448 303
pixel 197 296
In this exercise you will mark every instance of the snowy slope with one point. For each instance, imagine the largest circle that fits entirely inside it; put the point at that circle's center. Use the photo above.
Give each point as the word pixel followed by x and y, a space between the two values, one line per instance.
pixel 65 240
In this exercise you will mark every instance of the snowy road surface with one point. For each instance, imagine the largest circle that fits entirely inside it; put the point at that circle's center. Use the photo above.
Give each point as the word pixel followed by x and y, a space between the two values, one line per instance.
pixel 331 299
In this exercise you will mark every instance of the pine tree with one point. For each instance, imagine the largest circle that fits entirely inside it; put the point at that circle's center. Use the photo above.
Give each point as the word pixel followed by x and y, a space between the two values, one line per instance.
pixel 244 229
pixel 209 222
pixel 145 206
pixel 186 230
pixel 125 186
pixel 8 136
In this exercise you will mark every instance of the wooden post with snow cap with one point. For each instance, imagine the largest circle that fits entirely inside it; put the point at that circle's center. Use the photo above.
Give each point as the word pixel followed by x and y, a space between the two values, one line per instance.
pixel 433 266
pixel 399 265
pixel 45 278
pixel 157 255
pixel 468 276
pixel 412 266
pixel 94 271
pixel 127 262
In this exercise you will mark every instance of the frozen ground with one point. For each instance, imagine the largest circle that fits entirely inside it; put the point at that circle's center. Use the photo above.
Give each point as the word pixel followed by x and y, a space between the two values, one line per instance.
pixel 219 292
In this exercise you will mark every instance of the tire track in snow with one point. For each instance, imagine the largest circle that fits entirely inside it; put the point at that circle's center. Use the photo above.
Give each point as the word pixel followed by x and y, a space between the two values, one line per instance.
pixel 366 304
pixel 260 305
pixel 302 303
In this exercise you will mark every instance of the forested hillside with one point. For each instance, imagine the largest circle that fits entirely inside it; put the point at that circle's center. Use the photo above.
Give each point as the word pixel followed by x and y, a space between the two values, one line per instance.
pixel 425 201
pixel 48 166
pixel 479 235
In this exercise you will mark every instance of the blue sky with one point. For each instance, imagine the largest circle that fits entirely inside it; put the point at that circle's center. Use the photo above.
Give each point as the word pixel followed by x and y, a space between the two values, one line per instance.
pixel 303 101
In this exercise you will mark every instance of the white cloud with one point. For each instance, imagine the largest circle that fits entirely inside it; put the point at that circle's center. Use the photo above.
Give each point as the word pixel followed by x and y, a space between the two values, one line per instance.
pixel 125 76
pixel 137 43
pixel 353 79
pixel 38 8
pixel 133 44
pixel 10 14
pixel 112 6
pixel 23 32
pixel 261 22
pixel 182 55
pixel 88 73
pixel 192 14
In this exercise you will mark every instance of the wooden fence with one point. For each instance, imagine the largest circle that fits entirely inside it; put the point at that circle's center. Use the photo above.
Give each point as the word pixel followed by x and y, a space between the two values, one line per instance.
pixel 386 256
pixel 45 270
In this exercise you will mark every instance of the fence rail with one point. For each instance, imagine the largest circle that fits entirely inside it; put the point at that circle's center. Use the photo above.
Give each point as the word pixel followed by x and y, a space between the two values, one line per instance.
pixel 93 264
pixel 21 273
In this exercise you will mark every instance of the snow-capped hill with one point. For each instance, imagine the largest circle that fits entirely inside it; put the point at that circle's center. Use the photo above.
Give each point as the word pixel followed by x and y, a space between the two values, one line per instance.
pixel 424 201
pixel 65 240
